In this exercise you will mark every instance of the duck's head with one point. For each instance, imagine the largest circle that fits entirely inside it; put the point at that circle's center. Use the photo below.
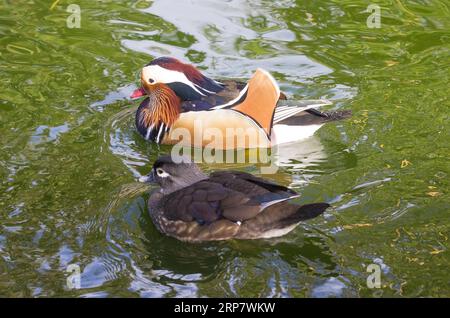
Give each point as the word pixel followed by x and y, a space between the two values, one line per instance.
pixel 171 175
pixel 184 79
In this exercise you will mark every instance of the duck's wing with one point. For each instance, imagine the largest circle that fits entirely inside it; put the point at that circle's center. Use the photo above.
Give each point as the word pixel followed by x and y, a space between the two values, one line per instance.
pixel 231 90
pixel 249 184
pixel 206 202
pixel 232 93
pixel 257 100
pixel 289 109
pixel 313 116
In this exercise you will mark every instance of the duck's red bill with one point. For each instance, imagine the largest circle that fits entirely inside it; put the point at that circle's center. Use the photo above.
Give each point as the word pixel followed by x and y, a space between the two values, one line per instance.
pixel 138 93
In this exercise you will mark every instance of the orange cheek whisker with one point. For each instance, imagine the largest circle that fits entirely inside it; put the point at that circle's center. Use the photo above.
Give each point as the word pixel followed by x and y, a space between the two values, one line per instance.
pixel 165 108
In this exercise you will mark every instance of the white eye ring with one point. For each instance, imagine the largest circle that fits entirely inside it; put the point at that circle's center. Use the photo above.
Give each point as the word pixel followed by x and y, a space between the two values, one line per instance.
pixel 160 172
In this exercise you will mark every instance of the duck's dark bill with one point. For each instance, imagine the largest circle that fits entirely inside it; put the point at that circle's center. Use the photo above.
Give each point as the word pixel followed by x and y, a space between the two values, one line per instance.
pixel 150 178
pixel 138 93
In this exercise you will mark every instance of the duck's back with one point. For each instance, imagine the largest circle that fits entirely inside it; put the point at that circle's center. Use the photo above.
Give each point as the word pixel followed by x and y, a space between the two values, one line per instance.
pixel 249 184
pixel 231 90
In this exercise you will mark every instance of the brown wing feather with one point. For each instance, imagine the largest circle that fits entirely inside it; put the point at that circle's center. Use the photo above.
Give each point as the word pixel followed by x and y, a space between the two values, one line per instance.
pixel 249 184
pixel 207 202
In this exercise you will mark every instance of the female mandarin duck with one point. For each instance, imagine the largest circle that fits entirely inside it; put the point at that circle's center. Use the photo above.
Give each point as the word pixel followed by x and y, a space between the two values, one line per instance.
pixel 194 207
pixel 182 101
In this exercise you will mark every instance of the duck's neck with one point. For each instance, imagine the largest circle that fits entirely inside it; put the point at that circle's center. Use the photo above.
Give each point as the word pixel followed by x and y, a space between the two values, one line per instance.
pixel 158 112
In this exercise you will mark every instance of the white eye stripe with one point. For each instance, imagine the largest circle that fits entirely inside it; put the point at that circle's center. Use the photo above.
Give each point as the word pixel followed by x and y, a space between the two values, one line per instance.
pixel 162 75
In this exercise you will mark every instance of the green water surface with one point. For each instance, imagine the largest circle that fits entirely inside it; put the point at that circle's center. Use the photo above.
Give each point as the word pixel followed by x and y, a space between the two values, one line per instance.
pixel 70 155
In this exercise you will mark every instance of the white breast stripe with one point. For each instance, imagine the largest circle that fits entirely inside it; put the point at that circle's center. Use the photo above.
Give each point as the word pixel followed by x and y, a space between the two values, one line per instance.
pixel 149 131
pixel 159 132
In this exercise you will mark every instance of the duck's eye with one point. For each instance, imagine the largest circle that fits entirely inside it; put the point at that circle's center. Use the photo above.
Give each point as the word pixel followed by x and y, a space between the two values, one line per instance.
pixel 151 80
pixel 160 172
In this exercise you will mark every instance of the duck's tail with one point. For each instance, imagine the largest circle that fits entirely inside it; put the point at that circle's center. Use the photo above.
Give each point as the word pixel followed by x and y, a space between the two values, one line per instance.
pixel 303 213
pixel 276 221
pixel 301 120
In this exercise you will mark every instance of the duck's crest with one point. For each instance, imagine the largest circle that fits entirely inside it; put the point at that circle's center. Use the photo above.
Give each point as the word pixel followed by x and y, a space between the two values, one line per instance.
pixel 178 75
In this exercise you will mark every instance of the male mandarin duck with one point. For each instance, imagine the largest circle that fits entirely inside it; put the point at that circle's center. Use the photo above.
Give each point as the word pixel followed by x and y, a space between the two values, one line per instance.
pixel 194 207
pixel 181 97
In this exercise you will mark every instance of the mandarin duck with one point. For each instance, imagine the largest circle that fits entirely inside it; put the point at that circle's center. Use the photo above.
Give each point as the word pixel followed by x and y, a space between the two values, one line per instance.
pixel 194 207
pixel 226 114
